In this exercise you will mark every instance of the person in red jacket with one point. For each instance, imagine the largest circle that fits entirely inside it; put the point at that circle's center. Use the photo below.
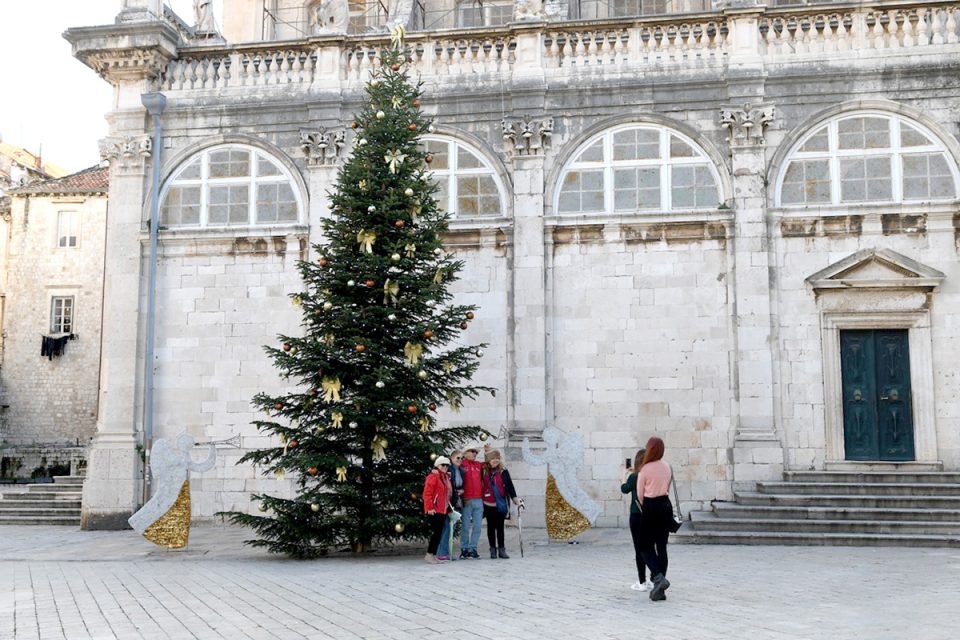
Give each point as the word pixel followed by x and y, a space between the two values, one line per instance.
pixel 472 504
pixel 436 504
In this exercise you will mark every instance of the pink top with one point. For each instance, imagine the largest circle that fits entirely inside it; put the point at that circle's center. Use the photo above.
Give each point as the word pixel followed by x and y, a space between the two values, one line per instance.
pixel 654 479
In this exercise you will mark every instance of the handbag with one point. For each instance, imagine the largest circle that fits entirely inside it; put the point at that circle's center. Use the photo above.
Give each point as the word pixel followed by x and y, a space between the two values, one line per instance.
pixel 676 519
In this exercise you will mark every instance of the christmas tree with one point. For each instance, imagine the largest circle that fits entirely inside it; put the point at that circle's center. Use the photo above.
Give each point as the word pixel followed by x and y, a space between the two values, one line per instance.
pixel 377 356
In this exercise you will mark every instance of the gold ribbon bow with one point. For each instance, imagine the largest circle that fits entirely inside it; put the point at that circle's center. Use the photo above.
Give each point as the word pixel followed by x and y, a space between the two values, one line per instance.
pixel 396 101
pixel 280 474
pixel 394 159
pixel 390 291
pixel 341 474
pixel 447 367
pixel 366 240
pixel 412 352
pixel 297 301
pixel 415 210
pixel 331 389
pixel 328 339
pixel 411 250
pixel 337 419
pixel 438 276
pixel 424 423
pixel 397 34
pixel 453 399
pixel 363 185
pixel 379 446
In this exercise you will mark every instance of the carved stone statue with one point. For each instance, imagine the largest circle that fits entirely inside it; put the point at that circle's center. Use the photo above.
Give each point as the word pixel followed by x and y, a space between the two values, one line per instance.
pixel 330 16
pixel 203 17
pixel 528 10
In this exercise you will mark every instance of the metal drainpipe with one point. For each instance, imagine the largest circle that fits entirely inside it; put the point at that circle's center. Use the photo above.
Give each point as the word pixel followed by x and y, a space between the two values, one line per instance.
pixel 155 103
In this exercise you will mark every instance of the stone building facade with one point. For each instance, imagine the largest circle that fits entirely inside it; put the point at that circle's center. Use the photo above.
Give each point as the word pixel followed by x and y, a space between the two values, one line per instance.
pixel 52 242
pixel 735 229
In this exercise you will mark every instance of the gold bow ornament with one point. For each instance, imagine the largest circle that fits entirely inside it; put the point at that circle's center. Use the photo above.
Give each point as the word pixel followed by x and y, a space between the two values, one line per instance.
pixel 411 250
pixel 337 419
pixel 397 34
pixel 394 159
pixel 328 339
pixel 390 291
pixel 424 423
pixel 438 276
pixel 413 351
pixel 396 101
pixel 379 446
pixel 366 240
pixel 331 389
pixel 341 474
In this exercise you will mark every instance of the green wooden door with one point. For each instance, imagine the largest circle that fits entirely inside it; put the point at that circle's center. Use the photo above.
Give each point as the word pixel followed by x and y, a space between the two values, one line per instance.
pixel 877 413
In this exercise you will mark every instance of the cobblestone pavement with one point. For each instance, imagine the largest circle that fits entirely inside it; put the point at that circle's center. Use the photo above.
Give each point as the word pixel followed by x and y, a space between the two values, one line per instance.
pixel 57 582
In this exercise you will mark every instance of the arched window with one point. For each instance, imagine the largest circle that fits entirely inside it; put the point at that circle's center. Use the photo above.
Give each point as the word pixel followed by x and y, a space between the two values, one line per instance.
pixel 230 185
pixel 467 184
pixel 638 168
pixel 867 158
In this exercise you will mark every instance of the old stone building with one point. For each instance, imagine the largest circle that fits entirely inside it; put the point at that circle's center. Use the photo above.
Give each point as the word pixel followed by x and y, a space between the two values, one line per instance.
pixel 51 284
pixel 734 226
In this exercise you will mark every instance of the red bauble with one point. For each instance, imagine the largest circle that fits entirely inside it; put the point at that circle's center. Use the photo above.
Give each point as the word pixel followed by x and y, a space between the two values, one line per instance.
pixel 416 103
pixel 414 496
pixel 286 346
pixel 412 126
pixel 469 315
pixel 428 334
pixel 464 325
pixel 361 348
pixel 278 406
pixel 323 262
pixel 293 444
pixel 399 224
pixel 395 66
pixel 313 471
pixel 429 158
pixel 314 392
pixel 354 125
pixel 433 406
pixel 411 408
pixel 370 282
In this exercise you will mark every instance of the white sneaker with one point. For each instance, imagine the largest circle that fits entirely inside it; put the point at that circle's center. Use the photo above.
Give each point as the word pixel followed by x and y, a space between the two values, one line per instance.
pixel 638 586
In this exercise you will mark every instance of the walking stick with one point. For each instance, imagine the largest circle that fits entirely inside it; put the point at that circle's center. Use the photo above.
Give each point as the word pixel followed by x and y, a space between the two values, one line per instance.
pixel 520 508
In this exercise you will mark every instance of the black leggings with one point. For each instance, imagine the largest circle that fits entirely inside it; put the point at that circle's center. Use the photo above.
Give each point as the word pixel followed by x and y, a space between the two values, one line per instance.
pixel 657 513
pixel 436 531
pixel 494 526
pixel 635 529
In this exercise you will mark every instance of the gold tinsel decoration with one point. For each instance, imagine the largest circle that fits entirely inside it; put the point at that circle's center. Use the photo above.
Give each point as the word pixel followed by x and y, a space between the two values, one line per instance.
pixel 563 521
pixel 173 528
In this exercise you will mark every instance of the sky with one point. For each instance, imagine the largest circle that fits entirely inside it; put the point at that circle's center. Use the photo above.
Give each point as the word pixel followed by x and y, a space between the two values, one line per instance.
pixel 49 98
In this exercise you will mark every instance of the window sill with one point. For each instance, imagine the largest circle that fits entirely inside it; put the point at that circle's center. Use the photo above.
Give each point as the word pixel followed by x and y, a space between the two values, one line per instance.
pixel 579 219
pixel 932 208
pixel 219 233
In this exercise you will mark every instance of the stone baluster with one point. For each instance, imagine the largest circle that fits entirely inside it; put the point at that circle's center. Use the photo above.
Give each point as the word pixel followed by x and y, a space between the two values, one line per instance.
pixel 923 30
pixel 893 30
pixel 909 40
pixel 950 28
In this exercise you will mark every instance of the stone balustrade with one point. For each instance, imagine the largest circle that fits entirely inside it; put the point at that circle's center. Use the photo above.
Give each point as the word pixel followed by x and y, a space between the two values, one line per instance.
pixel 676 42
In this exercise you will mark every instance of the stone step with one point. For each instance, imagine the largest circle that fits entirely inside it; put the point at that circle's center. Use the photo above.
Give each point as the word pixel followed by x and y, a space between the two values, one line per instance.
pixel 846 501
pixel 40 511
pixel 707 521
pixel 59 503
pixel 51 487
pixel 41 520
pixel 854 488
pixel 691 536
pixel 734 510
pixel 865 477
pixel 71 480
pixel 38 495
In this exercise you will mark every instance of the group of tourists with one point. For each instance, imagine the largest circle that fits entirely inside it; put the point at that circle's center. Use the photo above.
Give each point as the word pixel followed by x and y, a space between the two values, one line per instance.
pixel 459 487
pixel 462 489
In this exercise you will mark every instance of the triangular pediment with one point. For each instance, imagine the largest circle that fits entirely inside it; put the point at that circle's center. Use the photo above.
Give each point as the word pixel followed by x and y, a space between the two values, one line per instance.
pixel 876 268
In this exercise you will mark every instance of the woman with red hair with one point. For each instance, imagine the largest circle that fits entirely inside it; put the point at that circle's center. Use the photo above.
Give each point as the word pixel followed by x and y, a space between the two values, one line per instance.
pixel 653 483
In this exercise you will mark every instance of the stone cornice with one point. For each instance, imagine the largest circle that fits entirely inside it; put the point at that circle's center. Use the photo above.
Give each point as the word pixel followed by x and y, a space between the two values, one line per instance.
pixel 125 52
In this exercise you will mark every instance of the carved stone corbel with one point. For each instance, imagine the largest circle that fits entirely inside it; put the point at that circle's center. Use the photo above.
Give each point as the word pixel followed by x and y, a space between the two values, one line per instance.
pixel 527 136
pixel 128 153
pixel 746 125
pixel 322 147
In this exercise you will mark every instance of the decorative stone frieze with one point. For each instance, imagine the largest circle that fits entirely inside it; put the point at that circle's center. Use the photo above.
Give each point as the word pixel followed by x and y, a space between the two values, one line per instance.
pixel 322 146
pixel 527 136
pixel 745 125
pixel 128 153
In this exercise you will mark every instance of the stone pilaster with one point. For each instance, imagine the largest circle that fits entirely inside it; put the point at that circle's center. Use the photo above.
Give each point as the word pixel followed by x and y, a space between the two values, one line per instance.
pixel 757 452
pixel 130 55
pixel 324 149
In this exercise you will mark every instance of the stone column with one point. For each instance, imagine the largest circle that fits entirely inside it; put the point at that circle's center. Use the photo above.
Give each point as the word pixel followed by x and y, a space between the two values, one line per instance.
pixel 129 55
pixel 758 453
pixel 526 140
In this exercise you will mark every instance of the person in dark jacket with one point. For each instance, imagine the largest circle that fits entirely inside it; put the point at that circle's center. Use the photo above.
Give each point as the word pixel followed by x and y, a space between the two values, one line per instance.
pixel 630 486
pixel 497 491
pixel 436 504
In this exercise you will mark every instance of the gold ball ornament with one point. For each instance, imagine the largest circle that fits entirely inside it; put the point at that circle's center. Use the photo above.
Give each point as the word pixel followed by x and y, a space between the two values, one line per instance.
pixel 395 257
pixel 375 83
pixel 483 437
pixel 391 317
pixel 408 192
pixel 380 384
pixel 433 456
pixel 381 115
pixel 399 527
pixel 263 506
pixel 350 283
pixel 327 306
pixel 422 375
pixel 314 507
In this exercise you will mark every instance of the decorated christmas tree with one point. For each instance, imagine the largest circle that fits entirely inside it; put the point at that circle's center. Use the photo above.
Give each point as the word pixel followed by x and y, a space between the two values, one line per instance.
pixel 380 349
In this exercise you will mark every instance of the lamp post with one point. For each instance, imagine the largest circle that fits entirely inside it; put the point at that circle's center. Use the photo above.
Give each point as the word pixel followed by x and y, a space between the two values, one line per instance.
pixel 155 103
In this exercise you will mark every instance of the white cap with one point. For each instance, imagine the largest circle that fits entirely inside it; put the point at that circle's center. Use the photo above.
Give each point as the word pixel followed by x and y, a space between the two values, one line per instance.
pixel 441 460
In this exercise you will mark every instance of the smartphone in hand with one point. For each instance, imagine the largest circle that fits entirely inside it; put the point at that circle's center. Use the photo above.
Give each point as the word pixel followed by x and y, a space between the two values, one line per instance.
pixel 627 463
